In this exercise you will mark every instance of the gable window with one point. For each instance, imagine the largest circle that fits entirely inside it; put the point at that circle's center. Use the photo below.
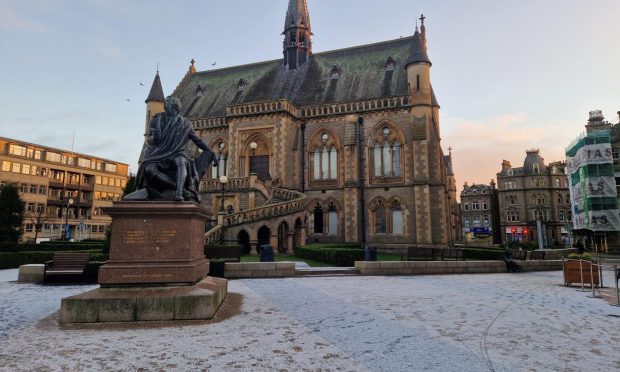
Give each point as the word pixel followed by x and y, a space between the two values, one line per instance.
pixel 390 64
pixel 335 72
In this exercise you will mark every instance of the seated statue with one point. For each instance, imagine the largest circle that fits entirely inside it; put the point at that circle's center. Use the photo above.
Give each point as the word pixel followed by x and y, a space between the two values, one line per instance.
pixel 167 173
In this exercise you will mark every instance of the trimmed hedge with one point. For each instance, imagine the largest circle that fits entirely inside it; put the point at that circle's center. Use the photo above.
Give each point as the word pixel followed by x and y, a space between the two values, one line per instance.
pixel 50 247
pixel 338 256
pixel 12 260
pixel 483 254
pixel 335 245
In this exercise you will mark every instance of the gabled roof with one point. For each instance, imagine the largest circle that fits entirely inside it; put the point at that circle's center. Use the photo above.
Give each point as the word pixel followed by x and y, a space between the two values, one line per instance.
pixel 363 76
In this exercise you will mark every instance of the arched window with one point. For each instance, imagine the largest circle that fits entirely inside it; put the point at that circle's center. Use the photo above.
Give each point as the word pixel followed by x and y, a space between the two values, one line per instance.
pixel 380 220
pixel 318 219
pixel 222 161
pixel 332 220
pixel 398 226
pixel 324 158
pixel 386 152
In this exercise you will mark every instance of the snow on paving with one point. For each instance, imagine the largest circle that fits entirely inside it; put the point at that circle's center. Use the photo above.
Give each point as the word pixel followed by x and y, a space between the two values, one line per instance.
pixel 493 322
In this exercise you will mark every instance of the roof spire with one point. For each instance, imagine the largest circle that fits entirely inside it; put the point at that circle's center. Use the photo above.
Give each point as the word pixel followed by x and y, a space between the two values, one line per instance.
pixel 156 93
pixel 418 50
pixel 297 34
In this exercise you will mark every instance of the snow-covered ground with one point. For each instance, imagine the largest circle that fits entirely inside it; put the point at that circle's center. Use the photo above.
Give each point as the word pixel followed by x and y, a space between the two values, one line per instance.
pixel 492 322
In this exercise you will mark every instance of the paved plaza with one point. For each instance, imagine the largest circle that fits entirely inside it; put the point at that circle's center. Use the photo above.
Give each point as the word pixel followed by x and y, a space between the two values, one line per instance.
pixel 492 322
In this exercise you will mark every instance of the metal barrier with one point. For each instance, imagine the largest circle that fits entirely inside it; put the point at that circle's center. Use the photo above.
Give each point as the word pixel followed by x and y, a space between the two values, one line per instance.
pixel 600 267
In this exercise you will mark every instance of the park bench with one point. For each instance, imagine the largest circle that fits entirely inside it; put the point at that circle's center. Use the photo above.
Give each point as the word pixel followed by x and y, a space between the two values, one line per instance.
pixel 537 255
pixel 452 254
pixel 231 253
pixel 418 254
pixel 66 264
pixel 519 255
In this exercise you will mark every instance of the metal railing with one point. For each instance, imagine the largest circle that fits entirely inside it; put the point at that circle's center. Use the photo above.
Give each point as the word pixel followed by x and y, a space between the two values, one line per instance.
pixel 587 276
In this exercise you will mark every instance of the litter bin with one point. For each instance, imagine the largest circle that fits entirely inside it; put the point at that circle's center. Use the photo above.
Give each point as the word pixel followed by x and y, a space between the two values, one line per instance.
pixel 370 253
pixel 266 253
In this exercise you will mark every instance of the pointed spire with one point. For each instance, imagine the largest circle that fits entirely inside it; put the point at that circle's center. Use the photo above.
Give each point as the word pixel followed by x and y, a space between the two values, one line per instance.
pixel 157 92
pixel 297 34
pixel 418 51
pixel 297 15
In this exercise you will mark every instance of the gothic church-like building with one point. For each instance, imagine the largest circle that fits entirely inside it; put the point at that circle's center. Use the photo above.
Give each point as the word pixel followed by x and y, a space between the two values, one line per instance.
pixel 337 146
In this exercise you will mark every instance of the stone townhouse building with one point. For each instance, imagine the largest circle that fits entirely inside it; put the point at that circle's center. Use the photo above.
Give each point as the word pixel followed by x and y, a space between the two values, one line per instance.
pixel 479 214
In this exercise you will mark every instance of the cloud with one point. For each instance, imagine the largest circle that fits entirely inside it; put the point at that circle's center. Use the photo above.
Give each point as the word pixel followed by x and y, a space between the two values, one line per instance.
pixel 105 48
pixel 480 146
pixel 10 19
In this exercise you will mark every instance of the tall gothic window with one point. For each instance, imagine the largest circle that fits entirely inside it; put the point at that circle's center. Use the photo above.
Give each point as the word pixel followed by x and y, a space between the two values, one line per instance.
pixel 380 220
pixel 324 158
pixel 332 220
pixel 388 218
pixel 318 219
pixel 386 154
pixel 222 161
pixel 398 226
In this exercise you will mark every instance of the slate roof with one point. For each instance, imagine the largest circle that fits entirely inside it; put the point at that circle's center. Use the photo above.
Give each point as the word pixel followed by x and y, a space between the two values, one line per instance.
pixel 363 76
pixel 418 52
pixel 156 93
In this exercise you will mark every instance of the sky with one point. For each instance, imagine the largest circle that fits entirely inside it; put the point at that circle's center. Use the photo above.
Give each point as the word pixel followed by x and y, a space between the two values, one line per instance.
pixel 509 75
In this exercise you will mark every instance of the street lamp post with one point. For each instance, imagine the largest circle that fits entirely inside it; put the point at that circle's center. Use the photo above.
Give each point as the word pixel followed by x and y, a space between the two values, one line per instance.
pixel 253 146
pixel 67 206
pixel 223 181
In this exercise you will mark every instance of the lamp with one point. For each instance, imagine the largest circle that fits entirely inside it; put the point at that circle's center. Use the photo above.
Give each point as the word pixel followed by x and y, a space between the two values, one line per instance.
pixel 69 204
pixel 223 181
pixel 253 146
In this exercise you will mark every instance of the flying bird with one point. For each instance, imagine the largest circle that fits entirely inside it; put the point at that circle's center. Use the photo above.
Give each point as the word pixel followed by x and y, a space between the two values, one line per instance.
pixel 214 63
pixel 128 100
pixel 140 83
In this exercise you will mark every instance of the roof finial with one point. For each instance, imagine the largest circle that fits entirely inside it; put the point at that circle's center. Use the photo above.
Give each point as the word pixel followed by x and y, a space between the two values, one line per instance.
pixel 192 68
pixel 422 18
pixel 157 67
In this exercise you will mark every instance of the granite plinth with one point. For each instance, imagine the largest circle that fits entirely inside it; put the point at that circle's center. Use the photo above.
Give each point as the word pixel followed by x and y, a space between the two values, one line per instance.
pixel 155 243
pixel 195 302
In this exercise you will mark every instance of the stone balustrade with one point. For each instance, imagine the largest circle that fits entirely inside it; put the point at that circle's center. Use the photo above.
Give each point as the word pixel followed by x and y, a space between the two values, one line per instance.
pixel 233 184
pixel 208 123
pixel 267 107
pixel 267 211
pixel 354 107
pixel 214 235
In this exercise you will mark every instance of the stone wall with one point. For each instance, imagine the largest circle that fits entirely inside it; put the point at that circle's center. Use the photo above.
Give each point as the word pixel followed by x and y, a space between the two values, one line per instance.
pixel 448 267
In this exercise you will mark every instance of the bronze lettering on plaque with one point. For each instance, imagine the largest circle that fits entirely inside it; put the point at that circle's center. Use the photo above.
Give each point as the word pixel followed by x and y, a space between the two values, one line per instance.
pixel 163 236
pixel 135 236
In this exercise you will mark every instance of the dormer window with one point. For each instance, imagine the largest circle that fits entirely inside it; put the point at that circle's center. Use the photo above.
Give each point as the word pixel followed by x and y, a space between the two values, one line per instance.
pixel 536 168
pixel 242 84
pixel 335 73
pixel 390 64
pixel 510 172
pixel 200 91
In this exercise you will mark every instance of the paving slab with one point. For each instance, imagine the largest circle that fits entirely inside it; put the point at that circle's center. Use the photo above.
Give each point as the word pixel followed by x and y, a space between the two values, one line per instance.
pixel 477 322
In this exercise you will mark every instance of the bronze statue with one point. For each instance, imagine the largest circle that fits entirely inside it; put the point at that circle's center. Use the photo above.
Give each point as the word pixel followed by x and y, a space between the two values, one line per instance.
pixel 167 173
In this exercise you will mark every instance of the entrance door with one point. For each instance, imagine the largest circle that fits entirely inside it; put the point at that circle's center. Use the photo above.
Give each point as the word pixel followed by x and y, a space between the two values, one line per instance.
pixel 260 165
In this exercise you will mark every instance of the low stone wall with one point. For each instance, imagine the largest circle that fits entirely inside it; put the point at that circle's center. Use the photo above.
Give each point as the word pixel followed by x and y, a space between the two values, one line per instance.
pixel 557 254
pixel 449 267
pixel 235 270
pixel 32 273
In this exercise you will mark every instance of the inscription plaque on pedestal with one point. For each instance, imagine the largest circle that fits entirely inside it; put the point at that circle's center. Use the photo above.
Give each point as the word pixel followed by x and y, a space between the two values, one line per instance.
pixel 155 243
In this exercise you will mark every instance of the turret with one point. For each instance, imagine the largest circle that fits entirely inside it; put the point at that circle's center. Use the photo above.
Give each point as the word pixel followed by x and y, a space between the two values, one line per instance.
pixel 419 70
pixel 154 102
pixel 297 34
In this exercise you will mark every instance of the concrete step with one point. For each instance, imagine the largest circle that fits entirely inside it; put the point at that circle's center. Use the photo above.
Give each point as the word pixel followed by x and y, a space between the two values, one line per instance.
pixel 326 271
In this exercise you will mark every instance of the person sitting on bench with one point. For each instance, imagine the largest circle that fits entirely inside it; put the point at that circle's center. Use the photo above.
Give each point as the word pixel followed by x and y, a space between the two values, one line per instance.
pixel 511 265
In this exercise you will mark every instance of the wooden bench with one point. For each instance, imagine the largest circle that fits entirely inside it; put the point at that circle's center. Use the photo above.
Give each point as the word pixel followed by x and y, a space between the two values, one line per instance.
pixel 452 254
pixel 66 264
pixel 537 255
pixel 418 254
pixel 519 255
pixel 231 253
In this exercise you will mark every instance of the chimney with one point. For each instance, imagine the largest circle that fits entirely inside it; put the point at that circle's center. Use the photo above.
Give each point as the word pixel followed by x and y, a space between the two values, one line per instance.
pixel 506 165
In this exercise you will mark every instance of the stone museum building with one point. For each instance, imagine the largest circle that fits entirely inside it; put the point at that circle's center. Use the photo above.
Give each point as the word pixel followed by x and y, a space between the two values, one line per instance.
pixel 534 202
pixel 336 146
pixel 61 187
pixel 479 214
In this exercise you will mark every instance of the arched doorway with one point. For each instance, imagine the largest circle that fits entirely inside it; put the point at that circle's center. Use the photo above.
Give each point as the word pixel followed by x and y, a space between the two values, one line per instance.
pixel 243 239
pixel 257 160
pixel 264 235
pixel 283 237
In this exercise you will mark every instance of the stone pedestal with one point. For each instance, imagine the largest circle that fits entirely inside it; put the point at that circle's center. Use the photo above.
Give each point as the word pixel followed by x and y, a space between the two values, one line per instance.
pixel 155 243
pixel 32 273
pixel 157 269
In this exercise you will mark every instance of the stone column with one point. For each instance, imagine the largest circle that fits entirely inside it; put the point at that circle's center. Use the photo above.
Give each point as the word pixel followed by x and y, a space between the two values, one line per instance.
pixel 289 242
pixel 253 247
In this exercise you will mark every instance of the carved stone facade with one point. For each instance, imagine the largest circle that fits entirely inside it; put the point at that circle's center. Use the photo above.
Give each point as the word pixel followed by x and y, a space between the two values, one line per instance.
pixel 360 145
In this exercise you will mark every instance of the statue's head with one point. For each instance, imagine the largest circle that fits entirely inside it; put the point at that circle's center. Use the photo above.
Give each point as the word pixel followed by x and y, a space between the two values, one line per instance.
pixel 172 105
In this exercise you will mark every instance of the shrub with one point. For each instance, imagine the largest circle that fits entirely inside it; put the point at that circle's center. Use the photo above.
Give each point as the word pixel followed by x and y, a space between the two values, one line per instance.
pixel 483 254
pixel 576 256
pixel 338 256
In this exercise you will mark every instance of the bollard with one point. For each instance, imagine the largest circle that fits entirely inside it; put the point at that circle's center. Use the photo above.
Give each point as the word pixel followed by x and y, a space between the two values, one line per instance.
pixel 581 274
pixel 600 275
pixel 617 290
pixel 592 279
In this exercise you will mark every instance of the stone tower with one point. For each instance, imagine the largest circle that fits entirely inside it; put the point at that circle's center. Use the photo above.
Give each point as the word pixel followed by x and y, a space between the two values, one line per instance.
pixel 297 34
pixel 154 105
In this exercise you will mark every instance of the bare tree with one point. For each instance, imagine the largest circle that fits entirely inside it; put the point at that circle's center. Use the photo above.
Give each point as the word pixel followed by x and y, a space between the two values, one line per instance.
pixel 37 218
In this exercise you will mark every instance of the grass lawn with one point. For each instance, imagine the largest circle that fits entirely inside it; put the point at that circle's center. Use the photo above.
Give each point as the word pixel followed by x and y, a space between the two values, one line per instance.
pixel 284 257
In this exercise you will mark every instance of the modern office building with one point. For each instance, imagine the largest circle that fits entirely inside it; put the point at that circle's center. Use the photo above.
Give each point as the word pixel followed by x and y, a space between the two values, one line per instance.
pixel 62 188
